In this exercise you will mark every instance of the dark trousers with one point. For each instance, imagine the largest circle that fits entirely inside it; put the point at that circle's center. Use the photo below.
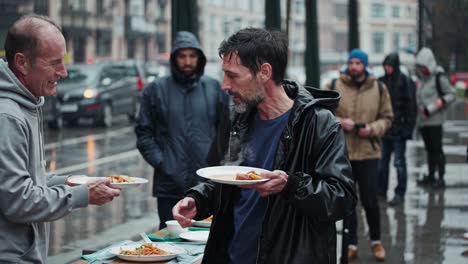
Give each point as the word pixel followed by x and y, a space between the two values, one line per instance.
pixel 165 206
pixel 389 146
pixel 365 176
pixel 432 137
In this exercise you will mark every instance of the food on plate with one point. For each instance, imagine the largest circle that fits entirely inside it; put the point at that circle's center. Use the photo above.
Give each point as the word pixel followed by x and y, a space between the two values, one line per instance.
pixel 145 250
pixel 119 178
pixel 251 175
pixel 208 219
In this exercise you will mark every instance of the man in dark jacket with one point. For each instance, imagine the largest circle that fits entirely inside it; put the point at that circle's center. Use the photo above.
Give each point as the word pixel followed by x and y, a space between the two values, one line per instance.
pixel 291 132
pixel 404 110
pixel 177 123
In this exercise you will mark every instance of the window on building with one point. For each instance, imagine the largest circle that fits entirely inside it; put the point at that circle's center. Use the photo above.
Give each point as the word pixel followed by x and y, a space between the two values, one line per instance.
pixel 103 43
pixel 299 6
pixel 377 10
pixel 41 7
pixel 78 4
pixel 396 41
pixel 395 11
pixel 131 45
pixel 341 10
pixel 411 12
pixel 137 8
pixel 411 40
pixel 100 7
pixel 212 23
pixel 341 41
pixel 378 39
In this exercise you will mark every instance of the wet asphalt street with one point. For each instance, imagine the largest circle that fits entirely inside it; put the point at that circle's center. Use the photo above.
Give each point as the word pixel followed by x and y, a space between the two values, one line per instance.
pixel 427 229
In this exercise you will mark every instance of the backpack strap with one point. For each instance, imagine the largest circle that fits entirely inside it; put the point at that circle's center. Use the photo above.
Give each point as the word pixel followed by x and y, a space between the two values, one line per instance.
pixel 438 85
pixel 333 85
pixel 380 85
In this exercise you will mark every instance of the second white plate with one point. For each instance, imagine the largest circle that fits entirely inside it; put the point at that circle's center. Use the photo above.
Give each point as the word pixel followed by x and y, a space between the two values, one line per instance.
pixel 83 179
pixel 196 236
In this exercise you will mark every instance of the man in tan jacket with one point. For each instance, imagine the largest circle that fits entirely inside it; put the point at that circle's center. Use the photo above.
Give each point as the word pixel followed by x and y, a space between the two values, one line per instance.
pixel 365 113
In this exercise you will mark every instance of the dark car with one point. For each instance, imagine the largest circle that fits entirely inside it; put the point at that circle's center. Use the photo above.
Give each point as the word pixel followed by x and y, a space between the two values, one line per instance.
pixel 98 91
pixel 135 71
pixel 51 112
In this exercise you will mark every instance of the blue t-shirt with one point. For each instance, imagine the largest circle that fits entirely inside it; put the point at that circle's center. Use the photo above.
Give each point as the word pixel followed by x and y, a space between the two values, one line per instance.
pixel 249 209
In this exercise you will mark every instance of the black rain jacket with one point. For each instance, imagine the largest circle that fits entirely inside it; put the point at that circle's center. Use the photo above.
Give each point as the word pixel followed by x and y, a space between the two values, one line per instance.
pixel 299 223
pixel 403 96
pixel 177 123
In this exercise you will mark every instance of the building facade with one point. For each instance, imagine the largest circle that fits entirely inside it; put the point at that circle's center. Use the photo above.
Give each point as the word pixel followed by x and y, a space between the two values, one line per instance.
pixel 99 30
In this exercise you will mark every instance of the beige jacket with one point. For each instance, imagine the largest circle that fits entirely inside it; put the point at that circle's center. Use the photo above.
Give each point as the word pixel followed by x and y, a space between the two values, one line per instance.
pixel 364 105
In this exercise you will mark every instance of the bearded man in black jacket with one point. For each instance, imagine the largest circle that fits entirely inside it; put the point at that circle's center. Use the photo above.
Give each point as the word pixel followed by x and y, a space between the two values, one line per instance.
pixel 289 130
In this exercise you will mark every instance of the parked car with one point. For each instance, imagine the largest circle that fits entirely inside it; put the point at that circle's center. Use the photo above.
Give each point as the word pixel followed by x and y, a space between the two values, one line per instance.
pixel 51 112
pixel 153 71
pixel 137 74
pixel 460 81
pixel 99 91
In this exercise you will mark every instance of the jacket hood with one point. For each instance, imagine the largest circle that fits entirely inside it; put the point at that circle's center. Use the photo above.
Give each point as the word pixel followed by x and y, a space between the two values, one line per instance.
pixel 184 40
pixel 306 97
pixel 394 60
pixel 11 87
pixel 425 57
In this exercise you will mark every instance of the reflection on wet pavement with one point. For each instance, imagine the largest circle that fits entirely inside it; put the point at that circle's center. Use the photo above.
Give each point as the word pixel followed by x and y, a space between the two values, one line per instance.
pixel 100 154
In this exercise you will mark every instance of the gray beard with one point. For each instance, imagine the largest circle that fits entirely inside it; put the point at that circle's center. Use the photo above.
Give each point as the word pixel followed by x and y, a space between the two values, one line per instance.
pixel 244 106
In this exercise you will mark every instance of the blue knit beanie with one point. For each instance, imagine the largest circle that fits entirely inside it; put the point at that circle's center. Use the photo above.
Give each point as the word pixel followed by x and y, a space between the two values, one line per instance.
pixel 360 55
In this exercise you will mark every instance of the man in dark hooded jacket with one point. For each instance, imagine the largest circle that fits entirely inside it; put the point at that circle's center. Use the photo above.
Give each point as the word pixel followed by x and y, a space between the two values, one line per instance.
pixel 401 91
pixel 177 122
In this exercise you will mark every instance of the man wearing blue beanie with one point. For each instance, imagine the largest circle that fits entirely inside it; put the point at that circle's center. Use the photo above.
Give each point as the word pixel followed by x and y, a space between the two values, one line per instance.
pixel 360 55
pixel 365 113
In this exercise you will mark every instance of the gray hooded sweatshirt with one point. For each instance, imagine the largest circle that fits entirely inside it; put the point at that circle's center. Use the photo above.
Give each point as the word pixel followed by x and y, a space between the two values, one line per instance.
pixel 29 197
pixel 426 94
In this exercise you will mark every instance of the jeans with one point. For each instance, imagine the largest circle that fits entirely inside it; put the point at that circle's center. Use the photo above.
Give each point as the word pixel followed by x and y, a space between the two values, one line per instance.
pixel 365 175
pixel 165 206
pixel 389 146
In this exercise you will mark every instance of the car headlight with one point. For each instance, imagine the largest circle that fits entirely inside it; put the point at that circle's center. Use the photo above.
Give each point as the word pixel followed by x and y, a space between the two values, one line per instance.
pixel 90 93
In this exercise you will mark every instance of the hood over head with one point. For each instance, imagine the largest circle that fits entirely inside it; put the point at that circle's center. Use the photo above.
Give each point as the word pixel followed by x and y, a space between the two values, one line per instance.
pixel 184 40
pixel 393 60
pixel 11 87
pixel 425 57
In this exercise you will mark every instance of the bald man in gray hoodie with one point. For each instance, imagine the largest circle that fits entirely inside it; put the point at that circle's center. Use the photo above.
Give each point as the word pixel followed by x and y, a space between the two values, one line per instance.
pixel 31 198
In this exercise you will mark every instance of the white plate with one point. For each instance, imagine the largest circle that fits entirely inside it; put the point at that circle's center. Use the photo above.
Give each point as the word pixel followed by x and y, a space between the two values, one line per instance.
pixel 227 174
pixel 173 250
pixel 202 224
pixel 196 236
pixel 83 179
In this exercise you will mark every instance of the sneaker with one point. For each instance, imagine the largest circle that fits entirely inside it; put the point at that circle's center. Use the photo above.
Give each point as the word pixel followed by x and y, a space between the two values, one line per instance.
pixel 426 180
pixel 352 253
pixel 439 184
pixel 397 200
pixel 378 251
